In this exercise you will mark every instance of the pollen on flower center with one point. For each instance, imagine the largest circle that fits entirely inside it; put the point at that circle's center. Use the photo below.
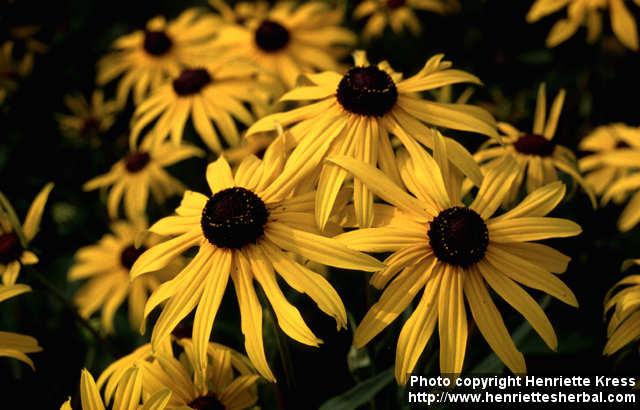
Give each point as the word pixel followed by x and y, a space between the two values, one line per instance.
pixel 271 36
pixel 191 81
pixel 10 247
pixel 394 4
pixel 156 42
pixel 534 144
pixel 208 402
pixel 129 255
pixel 136 161
pixel 367 91
pixel 233 218
pixel 458 236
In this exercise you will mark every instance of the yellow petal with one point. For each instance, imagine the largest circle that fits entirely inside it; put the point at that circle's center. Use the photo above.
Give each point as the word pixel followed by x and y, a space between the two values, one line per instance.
pixel 219 175
pixel 89 394
pixel 531 229
pixel 34 215
pixel 623 24
pixel 452 322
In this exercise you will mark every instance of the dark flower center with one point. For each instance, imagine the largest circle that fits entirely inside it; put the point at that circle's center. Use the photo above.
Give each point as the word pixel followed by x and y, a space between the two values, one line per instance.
pixel 394 4
pixel 367 91
pixel 233 218
pixel 534 144
pixel 130 255
pixel 157 43
pixel 10 248
pixel 191 81
pixel 622 144
pixel 458 236
pixel 90 127
pixel 136 161
pixel 271 36
pixel 208 402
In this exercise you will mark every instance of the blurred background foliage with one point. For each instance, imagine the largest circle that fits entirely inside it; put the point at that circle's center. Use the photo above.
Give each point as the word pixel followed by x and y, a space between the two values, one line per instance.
pixel 489 38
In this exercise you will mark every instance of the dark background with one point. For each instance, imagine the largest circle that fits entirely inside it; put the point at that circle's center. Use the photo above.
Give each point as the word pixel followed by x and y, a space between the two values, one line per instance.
pixel 489 38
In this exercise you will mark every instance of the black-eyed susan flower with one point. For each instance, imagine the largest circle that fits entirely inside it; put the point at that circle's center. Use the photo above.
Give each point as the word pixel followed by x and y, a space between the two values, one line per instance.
pixel 626 186
pixel 215 93
pixel 128 395
pixel 247 229
pixel 230 382
pixel 88 119
pixel 539 158
pixel 356 115
pixel 452 252
pixel 11 70
pixel 106 267
pixel 624 300
pixel 589 14
pixel 289 41
pixel 15 237
pixel 398 14
pixel 142 172
pixel 599 172
pixel 145 59
pixel 13 344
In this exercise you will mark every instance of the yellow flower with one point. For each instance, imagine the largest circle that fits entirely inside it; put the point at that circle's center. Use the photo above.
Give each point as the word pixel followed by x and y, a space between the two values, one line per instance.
pixel 619 164
pixel 140 172
pixel 127 396
pixel 88 120
pixel 356 115
pixel 624 326
pixel 539 158
pixel 230 382
pixel 291 40
pixel 107 266
pixel 13 344
pixel 244 230
pixel 11 70
pixel 399 14
pixel 15 238
pixel 600 170
pixel 215 93
pixel 145 59
pixel 452 252
pixel 588 13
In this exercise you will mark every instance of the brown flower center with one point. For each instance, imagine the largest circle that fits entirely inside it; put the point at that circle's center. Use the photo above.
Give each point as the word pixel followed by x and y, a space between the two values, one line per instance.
pixel 458 236
pixel 367 91
pixel 208 402
pixel 271 36
pixel 191 81
pixel 157 43
pixel 233 218
pixel 394 4
pixel 622 144
pixel 136 161
pixel 534 144
pixel 10 248
pixel 130 255
pixel 90 127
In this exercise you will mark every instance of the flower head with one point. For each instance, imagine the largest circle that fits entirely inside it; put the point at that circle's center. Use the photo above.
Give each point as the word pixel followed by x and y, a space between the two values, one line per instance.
pixel 13 344
pixel 15 237
pixel 246 231
pixel 451 252
pixel 88 119
pixel 357 114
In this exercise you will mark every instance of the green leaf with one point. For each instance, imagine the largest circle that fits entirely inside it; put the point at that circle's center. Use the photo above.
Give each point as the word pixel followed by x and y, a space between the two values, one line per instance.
pixel 360 394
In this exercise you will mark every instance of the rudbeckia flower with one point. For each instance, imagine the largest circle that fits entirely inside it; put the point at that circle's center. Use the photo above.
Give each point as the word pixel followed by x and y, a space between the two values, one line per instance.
pixel 601 172
pixel 247 229
pixel 128 394
pixel 539 158
pixel 289 41
pixel 145 59
pixel 624 325
pixel 106 265
pixel 452 252
pixel 356 115
pixel 140 172
pixel 205 94
pixel 11 70
pixel 229 384
pixel 13 344
pixel 15 237
pixel 589 14
pixel 88 119
pixel 398 14
pixel 627 184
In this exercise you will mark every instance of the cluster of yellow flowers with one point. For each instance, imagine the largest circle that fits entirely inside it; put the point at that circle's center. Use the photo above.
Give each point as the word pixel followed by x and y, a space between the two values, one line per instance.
pixel 319 162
